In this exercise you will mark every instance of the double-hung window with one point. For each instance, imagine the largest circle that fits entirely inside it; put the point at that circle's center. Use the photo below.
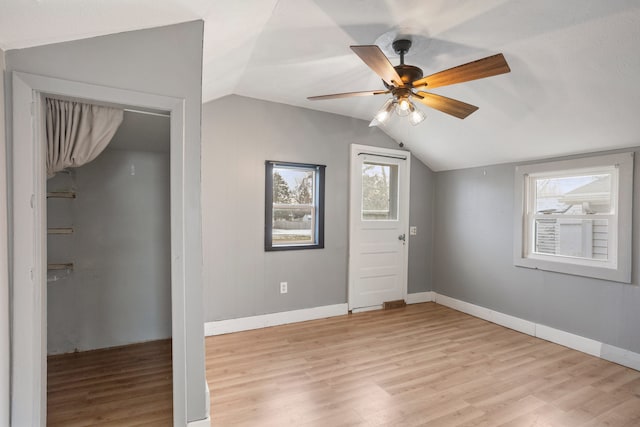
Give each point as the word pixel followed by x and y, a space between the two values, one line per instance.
pixel 294 206
pixel 574 216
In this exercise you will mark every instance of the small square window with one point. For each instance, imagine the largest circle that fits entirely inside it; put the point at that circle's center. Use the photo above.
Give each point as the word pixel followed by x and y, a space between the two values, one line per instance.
pixel 294 206
pixel 573 216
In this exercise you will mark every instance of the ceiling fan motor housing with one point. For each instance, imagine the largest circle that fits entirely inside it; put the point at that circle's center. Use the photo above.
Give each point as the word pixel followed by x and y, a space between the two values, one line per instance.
pixel 408 73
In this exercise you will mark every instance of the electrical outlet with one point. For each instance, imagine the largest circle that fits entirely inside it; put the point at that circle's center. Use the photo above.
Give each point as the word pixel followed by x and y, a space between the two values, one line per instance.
pixel 283 287
pixel 413 230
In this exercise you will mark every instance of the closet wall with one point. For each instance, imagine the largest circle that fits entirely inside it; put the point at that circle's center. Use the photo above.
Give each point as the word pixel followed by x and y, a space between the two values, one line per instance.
pixel 4 268
pixel 119 291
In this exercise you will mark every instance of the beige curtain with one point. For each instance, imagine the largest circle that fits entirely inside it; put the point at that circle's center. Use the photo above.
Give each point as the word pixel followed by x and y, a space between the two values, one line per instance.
pixel 77 132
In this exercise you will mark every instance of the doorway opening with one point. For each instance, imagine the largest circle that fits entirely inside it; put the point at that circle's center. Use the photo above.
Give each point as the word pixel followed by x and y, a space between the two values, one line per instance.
pixel 29 240
pixel 109 280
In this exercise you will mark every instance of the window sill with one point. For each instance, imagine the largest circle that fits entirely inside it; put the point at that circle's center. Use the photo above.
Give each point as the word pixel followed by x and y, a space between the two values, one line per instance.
pixel 293 247
pixel 596 272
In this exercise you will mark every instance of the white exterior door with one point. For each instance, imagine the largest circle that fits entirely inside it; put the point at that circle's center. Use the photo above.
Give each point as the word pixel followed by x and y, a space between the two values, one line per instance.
pixel 378 232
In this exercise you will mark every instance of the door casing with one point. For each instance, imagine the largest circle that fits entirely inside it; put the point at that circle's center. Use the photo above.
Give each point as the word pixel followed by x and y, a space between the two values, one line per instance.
pixel 28 266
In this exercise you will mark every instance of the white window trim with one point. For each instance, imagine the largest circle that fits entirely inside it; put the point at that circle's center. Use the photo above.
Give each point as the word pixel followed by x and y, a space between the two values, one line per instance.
pixel 619 269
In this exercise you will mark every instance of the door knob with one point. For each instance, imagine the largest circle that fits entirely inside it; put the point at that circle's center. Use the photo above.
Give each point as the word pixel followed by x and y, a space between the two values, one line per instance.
pixel 402 237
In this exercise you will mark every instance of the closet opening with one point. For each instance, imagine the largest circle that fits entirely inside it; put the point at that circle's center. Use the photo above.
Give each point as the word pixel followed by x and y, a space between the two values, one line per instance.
pixel 29 240
pixel 109 275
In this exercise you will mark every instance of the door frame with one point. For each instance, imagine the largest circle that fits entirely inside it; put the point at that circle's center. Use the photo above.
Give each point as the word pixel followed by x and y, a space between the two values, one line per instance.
pixel 354 211
pixel 29 269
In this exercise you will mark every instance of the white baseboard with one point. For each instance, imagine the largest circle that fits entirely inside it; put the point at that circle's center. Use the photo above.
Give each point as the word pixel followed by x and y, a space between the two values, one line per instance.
pixel 262 321
pixel 511 322
pixel 200 423
pixel 220 327
pixel 207 393
pixel 207 421
pixel 586 345
pixel 420 297
pixel 576 342
pixel 621 356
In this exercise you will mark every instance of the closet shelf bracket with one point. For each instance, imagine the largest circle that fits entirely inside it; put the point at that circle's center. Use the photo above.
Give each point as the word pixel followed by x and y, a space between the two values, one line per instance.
pixel 60 230
pixel 63 266
pixel 61 195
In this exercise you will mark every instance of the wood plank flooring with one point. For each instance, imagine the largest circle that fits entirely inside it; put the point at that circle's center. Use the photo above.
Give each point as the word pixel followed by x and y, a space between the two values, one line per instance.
pixel 122 386
pixel 424 364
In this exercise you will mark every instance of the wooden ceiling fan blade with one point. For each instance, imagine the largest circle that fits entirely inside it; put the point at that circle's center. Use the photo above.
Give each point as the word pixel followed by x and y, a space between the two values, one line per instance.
pixel 375 59
pixel 450 106
pixel 347 95
pixel 485 67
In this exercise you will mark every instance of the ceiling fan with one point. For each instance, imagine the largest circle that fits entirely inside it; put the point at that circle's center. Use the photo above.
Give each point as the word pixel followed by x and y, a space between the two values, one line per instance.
pixel 402 79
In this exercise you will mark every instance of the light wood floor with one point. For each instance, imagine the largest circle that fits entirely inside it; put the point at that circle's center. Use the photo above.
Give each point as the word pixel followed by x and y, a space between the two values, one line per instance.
pixel 123 386
pixel 420 365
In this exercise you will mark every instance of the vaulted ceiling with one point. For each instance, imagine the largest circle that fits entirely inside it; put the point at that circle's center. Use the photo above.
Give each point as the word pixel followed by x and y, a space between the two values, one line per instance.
pixel 573 86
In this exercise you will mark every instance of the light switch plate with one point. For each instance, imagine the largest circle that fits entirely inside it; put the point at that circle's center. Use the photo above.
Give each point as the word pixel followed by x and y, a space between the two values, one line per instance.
pixel 413 230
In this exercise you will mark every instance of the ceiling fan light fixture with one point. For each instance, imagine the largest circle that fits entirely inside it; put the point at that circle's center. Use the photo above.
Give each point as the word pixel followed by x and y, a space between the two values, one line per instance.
pixel 401 81
pixel 375 122
pixel 403 107
pixel 416 116
pixel 383 115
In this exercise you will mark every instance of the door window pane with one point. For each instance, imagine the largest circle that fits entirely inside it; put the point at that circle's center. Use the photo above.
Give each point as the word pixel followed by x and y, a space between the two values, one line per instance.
pixel 379 191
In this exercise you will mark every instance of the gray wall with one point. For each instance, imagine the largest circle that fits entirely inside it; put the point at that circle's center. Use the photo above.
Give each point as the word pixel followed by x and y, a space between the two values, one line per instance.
pixel 240 278
pixel 473 262
pixel 120 289
pixel 421 215
pixel 4 279
pixel 164 61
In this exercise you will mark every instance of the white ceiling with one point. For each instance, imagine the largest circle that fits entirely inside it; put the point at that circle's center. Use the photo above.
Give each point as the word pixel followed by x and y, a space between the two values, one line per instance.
pixel 573 86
